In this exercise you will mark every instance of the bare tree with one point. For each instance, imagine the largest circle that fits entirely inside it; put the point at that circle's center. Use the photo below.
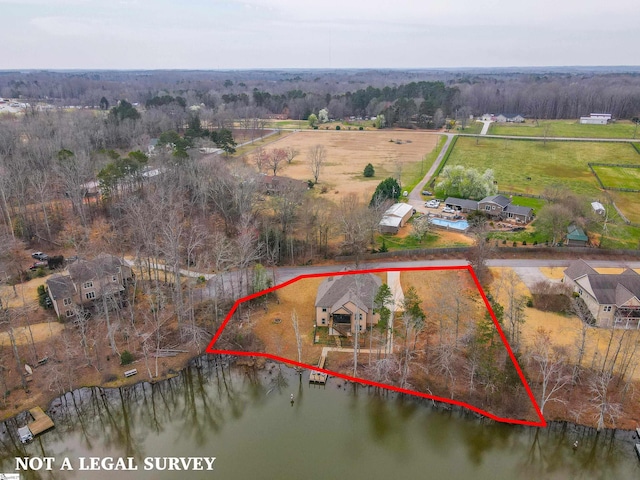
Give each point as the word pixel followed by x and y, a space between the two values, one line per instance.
pixel 607 411
pixel 275 158
pixel 291 154
pixel 317 156
pixel 551 362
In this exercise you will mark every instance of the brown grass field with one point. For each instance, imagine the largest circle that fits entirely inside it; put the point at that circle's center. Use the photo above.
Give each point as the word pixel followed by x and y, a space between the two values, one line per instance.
pixel 349 152
pixel 565 329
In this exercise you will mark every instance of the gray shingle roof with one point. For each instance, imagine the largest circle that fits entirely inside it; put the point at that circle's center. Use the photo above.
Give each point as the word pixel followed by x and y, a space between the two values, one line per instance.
pixel 360 288
pixel 103 264
pixel 462 203
pixel 518 210
pixel 578 269
pixel 614 289
pixel 60 286
pixel 499 199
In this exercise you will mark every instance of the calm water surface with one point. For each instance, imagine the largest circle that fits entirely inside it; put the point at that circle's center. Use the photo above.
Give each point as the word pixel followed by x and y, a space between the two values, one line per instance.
pixel 245 419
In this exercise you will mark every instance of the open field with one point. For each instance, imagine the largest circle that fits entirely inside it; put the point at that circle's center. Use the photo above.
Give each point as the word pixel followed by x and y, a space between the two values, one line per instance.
pixel 513 161
pixel 565 128
pixel 627 202
pixel 390 152
pixel 618 177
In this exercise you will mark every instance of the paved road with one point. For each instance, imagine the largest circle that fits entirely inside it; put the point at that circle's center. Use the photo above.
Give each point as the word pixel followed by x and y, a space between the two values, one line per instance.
pixel 415 197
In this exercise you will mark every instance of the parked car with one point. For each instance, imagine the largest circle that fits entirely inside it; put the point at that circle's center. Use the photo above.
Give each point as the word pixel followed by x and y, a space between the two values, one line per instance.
pixel 38 265
pixel 448 210
pixel 427 192
pixel 39 256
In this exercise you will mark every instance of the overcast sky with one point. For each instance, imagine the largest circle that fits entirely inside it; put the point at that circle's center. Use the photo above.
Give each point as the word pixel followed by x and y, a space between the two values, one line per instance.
pixel 230 34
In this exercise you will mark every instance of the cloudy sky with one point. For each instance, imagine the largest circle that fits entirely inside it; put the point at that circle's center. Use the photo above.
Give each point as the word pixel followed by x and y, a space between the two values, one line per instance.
pixel 237 34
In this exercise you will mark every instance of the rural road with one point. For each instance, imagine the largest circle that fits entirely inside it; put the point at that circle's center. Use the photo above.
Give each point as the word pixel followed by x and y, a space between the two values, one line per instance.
pixel 415 197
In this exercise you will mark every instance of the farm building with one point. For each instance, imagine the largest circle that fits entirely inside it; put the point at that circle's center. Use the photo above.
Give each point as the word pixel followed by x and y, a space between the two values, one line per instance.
pixel 598 208
pixel 596 119
pixel 395 217
pixel 345 303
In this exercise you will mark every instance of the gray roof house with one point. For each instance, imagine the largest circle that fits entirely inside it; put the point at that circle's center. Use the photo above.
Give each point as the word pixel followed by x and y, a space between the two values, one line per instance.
pixel 344 303
pixel 612 299
pixel 87 282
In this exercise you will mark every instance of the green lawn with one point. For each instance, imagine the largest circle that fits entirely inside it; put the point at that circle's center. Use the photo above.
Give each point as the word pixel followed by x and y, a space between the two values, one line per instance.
pixel 565 163
pixel 535 203
pixel 472 128
pixel 618 177
pixel 432 240
pixel 566 128
pixel 622 236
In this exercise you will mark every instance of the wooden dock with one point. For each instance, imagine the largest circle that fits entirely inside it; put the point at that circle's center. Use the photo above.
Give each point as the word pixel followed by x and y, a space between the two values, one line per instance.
pixel 41 421
pixel 319 377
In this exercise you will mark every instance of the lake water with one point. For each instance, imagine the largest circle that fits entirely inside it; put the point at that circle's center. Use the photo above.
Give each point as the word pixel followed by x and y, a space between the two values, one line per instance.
pixel 246 420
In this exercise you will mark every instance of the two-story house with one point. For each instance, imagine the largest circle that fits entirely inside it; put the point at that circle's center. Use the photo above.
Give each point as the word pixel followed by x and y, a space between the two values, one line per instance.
pixel 345 303
pixel 87 282
pixel 612 299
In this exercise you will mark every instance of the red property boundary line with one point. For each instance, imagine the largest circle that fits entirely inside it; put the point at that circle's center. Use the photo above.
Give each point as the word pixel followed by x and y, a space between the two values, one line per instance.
pixel 541 423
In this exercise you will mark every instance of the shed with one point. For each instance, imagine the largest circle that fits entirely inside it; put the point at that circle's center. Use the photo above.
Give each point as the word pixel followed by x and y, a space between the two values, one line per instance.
pixel 576 237
pixel 598 208
pixel 395 217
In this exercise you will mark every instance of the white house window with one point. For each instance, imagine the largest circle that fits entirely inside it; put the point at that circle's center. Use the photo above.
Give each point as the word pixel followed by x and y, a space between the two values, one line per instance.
pixel 66 302
pixel 360 316
pixel 607 308
pixel 579 291
pixel 510 215
pixel 324 321
pixel 114 279
pixel 87 285
pixel 90 295
pixel 487 207
pixel 69 313
pixel 493 207
pixel 324 309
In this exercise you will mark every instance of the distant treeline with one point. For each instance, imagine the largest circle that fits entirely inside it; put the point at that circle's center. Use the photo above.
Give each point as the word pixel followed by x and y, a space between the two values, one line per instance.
pixel 405 98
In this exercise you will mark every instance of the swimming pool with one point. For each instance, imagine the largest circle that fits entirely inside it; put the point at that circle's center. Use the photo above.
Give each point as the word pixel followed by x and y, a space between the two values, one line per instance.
pixel 461 225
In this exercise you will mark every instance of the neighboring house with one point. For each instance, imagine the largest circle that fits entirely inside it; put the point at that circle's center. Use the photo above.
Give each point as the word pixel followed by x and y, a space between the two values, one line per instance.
pixel 509 118
pixel 273 184
pixel 345 303
pixel 596 119
pixel 88 281
pixel 576 237
pixel 488 117
pixel 494 205
pixel 612 299
pixel 497 206
pixel 395 217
